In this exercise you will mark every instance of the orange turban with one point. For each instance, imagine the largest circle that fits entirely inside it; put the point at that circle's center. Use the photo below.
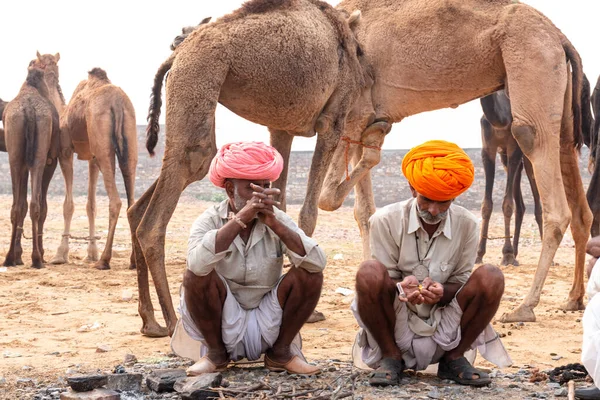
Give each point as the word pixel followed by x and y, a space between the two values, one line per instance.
pixel 245 160
pixel 438 170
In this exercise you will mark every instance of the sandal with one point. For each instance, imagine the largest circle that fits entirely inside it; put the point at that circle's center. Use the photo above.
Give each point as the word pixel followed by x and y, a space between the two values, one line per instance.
pixel 388 373
pixel 462 372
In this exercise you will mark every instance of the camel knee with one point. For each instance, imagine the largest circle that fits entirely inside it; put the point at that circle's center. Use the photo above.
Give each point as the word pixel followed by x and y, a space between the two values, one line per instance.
pixel 486 208
pixel 370 279
pixel 115 208
pixel 508 206
pixel 524 133
pixel 34 209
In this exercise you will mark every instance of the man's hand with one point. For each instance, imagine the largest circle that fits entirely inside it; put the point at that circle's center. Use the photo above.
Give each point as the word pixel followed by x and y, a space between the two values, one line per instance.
pixel 593 247
pixel 260 205
pixel 410 285
pixel 432 291
pixel 264 203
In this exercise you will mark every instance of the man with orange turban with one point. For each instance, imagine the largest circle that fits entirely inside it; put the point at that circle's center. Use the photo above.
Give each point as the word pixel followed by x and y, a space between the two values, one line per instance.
pixel 417 300
pixel 235 303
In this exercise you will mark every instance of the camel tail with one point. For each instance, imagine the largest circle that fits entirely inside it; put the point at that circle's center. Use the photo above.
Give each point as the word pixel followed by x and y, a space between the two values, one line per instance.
pixel 577 69
pixel 155 104
pixel 31 136
pixel 119 140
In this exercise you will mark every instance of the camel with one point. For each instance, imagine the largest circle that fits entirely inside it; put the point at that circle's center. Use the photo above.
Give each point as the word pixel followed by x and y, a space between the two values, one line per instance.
pixel 2 141
pixel 434 54
pixel 31 124
pixel 496 137
pixel 100 122
pixel 594 187
pixel 293 66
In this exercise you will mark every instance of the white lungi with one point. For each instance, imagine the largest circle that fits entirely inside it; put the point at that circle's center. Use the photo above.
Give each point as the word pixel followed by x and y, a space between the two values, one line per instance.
pixel 590 351
pixel 245 333
pixel 420 351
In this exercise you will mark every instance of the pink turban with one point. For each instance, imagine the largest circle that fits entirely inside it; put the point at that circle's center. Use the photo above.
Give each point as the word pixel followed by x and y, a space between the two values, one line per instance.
pixel 245 160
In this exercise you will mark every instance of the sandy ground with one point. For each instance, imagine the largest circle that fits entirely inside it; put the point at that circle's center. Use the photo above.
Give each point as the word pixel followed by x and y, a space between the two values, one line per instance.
pixel 42 311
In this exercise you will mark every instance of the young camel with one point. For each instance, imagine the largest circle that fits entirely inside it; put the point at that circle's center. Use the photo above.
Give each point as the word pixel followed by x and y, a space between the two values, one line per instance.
pixel 100 121
pixel 461 50
pixel 292 66
pixel 31 124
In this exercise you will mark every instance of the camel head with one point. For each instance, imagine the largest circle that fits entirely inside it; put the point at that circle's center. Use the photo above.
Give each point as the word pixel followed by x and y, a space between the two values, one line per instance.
pixel 185 32
pixel 47 62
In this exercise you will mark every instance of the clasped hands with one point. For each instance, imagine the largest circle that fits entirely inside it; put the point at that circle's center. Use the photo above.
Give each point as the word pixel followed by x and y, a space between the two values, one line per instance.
pixel 260 205
pixel 428 292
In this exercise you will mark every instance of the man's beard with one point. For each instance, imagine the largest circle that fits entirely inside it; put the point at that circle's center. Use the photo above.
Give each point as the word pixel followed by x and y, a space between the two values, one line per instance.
pixel 430 219
pixel 238 202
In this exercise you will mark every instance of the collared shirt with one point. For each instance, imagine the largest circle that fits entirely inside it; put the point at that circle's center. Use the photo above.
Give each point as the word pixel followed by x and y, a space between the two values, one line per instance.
pixel 449 255
pixel 250 269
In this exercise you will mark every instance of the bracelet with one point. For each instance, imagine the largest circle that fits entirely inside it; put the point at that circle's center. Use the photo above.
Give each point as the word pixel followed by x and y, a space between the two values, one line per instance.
pixel 237 219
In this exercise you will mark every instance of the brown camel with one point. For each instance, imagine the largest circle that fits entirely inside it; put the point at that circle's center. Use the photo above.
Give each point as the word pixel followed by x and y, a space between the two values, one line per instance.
pixel 432 54
pixel 293 66
pixel 100 122
pixel 31 124
pixel 594 187
pixel 2 141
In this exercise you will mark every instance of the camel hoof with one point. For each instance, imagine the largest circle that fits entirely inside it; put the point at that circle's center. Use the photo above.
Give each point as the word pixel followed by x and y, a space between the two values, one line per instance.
pixel 91 258
pixel 509 259
pixel 9 263
pixel 521 314
pixel 59 259
pixel 154 331
pixel 102 265
pixel 132 266
pixel 37 265
pixel 574 305
pixel 316 316
pixel 20 261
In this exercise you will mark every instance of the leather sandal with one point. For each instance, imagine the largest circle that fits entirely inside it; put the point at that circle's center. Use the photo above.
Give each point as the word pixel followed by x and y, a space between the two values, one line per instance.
pixel 205 366
pixel 294 366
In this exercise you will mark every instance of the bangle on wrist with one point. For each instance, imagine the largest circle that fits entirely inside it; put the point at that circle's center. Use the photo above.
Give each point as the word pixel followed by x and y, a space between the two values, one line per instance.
pixel 237 220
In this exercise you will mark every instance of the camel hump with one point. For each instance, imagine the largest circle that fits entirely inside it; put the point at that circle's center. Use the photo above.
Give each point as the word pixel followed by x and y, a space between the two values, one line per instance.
pixel 98 73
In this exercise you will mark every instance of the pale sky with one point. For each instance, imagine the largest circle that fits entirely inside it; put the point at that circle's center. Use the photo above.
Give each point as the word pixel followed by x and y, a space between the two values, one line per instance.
pixel 130 39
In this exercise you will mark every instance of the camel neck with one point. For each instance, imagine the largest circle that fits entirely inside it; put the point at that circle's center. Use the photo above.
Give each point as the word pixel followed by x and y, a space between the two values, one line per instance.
pixel 55 93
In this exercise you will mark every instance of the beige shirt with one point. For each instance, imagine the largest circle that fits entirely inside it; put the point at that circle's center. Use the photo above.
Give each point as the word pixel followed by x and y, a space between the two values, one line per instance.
pixel 449 255
pixel 250 269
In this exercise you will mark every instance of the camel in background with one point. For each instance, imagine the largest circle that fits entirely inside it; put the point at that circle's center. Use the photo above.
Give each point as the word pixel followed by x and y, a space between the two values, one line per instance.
pixel 295 68
pixel 2 141
pixel 593 192
pixel 458 51
pixel 31 124
pixel 100 123
pixel 496 136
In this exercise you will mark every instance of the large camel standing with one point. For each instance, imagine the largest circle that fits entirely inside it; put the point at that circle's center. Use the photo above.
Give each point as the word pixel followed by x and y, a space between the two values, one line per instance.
pixel 432 54
pixel 31 124
pixel 100 122
pixel 293 66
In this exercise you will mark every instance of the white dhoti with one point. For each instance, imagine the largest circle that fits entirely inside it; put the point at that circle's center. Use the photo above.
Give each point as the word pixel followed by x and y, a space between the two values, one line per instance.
pixel 590 349
pixel 245 333
pixel 420 351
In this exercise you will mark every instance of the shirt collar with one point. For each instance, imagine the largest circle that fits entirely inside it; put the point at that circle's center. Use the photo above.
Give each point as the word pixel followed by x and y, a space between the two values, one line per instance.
pixel 223 209
pixel 414 222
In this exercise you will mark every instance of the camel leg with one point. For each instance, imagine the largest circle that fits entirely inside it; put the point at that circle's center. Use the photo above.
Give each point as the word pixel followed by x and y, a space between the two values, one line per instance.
pixel 519 208
pixel 536 195
pixel 364 207
pixel 92 250
pixel 37 173
pixel 514 163
pixel 128 169
pixel 537 102
pixel 150 327
pixel 19 176
pixel 282 141
pixel 48 174
pixel 66 166
pixel 488 158
pixel 107 167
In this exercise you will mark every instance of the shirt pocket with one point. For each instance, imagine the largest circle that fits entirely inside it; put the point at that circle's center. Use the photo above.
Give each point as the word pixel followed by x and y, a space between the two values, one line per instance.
pixel 441 271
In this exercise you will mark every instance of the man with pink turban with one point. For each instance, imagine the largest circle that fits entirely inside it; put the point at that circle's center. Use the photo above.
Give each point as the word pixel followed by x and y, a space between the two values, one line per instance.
pixel 235 303
pixel 417 300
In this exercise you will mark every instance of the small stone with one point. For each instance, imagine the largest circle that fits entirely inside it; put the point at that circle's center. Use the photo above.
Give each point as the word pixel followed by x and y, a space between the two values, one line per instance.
pixel 562 392
pixel 556 358
pixel 10 354
pixel 119 369
pixel 25 382
pixel 2 381
pixel 125 382
pixel 513 386
pixel 126 295
pixel 26 368
pixel 196 387
pixel 520 324
pixel 130 359
pixel 163 380
pixel 434 394
pixel 103 348
pixel 553 385
pixel 96 394
pixel 87 382
pixel 553 354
